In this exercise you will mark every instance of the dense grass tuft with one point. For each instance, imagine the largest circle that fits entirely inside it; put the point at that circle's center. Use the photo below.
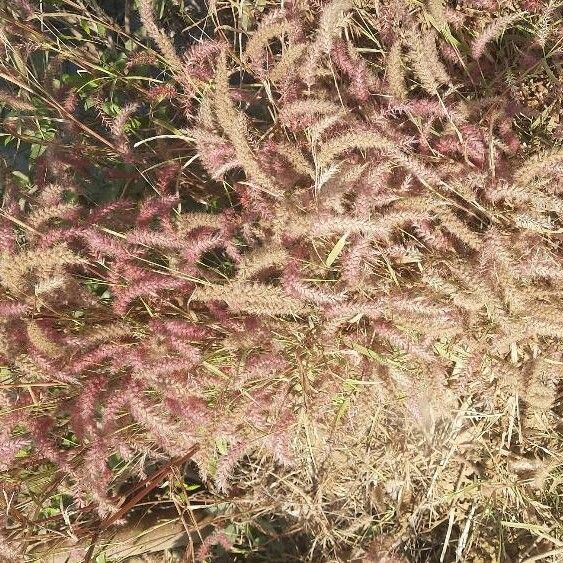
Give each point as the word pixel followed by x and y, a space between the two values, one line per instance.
pixel 281 282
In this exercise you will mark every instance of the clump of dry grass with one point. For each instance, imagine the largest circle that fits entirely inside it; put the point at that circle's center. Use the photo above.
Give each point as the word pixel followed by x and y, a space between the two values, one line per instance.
pixel 313 257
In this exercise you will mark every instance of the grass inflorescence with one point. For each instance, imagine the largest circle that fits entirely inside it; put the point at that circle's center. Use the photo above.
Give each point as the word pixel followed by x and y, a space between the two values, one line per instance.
pixel 281 281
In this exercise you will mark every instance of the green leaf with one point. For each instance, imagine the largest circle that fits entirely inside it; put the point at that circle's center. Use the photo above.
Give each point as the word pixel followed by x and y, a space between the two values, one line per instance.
pixel 444 30
pixel 193 487
pixel 36 151
pixel 335 252
pixel 23 178
pixel 85 25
